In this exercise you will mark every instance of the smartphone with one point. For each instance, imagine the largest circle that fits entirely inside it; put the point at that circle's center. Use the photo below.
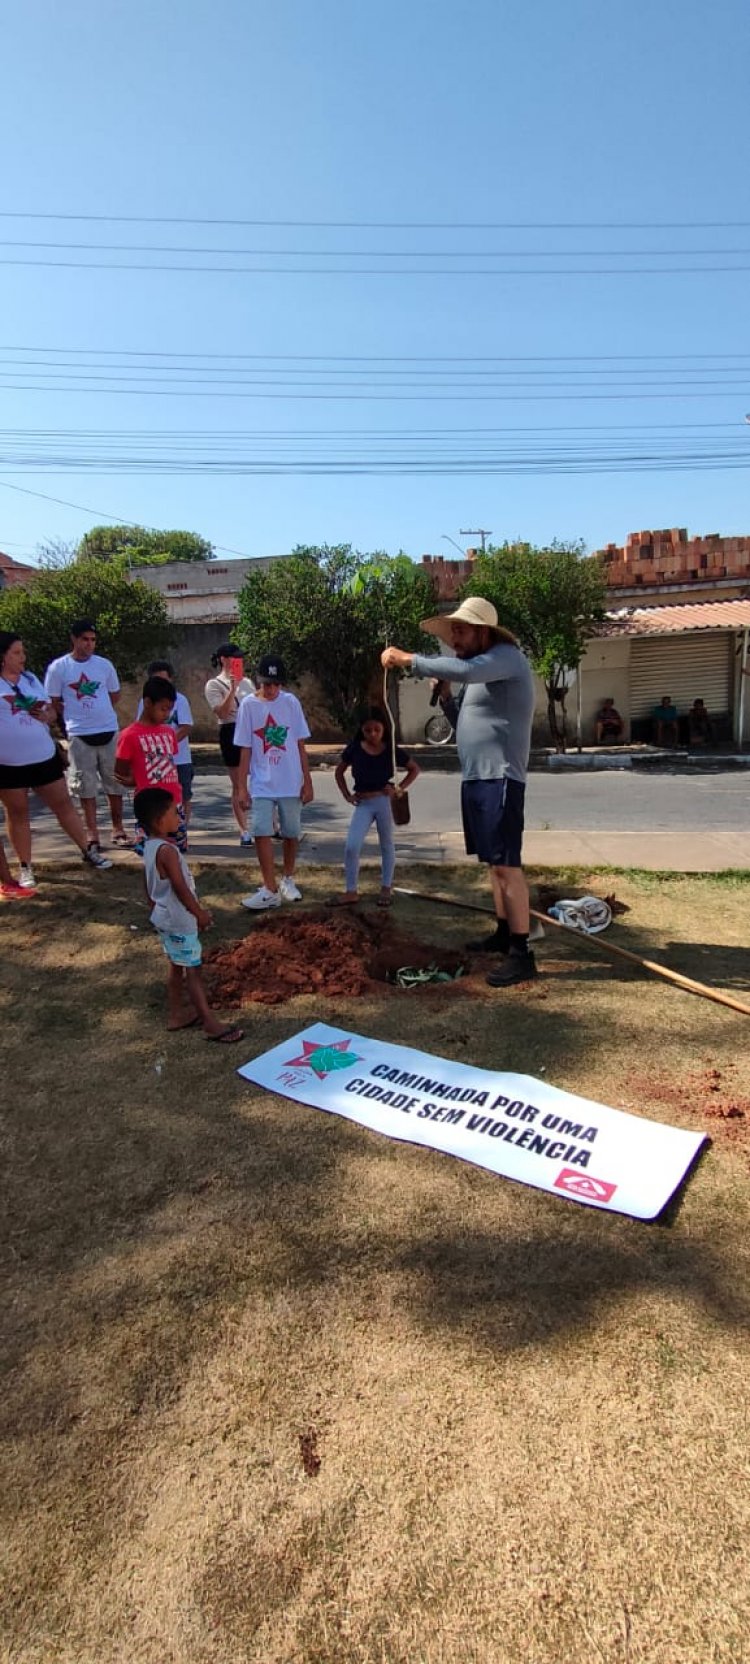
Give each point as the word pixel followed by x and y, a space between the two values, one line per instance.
pixel 237 669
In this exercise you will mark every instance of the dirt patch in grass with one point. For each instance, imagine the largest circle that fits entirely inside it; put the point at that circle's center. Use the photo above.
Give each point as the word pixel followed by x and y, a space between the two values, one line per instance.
pixel 332 954
pixel 711 1097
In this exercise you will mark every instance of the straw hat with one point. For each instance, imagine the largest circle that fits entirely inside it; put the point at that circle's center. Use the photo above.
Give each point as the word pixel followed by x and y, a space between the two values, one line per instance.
pixel 474 610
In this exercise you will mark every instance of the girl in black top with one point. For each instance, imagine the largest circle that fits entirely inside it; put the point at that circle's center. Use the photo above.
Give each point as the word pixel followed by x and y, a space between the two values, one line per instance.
pixel 369 756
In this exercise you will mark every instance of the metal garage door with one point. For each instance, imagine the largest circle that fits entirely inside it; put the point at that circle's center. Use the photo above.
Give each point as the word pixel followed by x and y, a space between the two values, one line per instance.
pixel 687 667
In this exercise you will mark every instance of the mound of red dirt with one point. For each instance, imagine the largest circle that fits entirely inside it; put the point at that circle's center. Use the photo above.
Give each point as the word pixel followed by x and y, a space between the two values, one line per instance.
pixel 339 954
pixel 707 1094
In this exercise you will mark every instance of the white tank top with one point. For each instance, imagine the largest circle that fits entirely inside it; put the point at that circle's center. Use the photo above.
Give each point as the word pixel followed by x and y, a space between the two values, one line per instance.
pixel 168 911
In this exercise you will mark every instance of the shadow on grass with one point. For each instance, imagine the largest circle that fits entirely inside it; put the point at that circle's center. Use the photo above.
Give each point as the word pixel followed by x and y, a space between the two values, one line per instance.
pixel 532 1291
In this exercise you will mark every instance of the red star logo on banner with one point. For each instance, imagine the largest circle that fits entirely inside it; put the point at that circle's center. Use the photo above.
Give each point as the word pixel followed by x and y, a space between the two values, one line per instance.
pixel 323 1059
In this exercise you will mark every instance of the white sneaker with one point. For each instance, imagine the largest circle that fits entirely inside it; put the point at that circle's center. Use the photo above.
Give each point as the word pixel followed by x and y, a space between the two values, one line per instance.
pixel 246 838
pixel 94 858
pixel 262 900
pixel 288 890
pixel 26 878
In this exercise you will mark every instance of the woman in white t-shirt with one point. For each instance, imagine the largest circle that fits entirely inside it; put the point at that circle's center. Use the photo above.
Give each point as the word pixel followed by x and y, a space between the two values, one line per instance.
pixel 30 761
pixel 224 692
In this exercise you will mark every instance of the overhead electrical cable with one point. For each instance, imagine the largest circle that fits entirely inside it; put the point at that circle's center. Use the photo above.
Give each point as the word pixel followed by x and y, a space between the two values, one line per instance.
pixel 373 271
pixel 385 225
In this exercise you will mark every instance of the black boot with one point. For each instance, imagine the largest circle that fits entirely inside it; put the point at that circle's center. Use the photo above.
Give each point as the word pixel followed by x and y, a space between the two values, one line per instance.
pixel 517 967
pixel 498 942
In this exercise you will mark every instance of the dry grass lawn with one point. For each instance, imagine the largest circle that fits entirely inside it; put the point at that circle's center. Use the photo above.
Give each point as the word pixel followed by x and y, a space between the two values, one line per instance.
pixel 531 1418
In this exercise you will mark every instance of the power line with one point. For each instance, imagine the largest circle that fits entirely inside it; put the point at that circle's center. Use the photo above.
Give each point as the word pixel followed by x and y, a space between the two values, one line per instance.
pixel 99 514
pixel 175 374
pixel 534 396
pixel 375 271
pixel 396 358
pixel 220 435
pixel 388 225
pixel 441 453
pixel 155 378
pixel 375 253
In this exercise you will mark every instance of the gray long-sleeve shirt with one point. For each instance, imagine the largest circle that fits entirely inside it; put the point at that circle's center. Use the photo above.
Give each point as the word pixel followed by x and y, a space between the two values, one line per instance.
pixel 495 712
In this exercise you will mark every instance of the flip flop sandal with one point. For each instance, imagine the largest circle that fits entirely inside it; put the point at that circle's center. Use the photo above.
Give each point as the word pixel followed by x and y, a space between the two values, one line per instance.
pixel 120 840
pixel 229 1037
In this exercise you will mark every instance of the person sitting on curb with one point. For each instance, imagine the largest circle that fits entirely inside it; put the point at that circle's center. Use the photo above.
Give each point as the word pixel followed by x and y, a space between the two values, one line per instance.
pixel 493 720
pixel 610 728
pixel 275 773
pixel 699 724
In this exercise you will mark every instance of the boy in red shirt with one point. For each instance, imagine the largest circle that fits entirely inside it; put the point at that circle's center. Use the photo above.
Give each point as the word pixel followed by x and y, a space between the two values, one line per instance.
pixel 146 751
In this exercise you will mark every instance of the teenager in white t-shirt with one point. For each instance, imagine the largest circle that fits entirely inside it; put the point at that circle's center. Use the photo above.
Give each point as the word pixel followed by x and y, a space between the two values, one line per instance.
pixel 181 720
pixel 271 732
pixel 84 689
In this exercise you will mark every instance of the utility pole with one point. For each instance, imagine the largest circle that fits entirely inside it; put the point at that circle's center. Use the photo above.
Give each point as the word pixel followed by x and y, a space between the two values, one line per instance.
pixel 478 533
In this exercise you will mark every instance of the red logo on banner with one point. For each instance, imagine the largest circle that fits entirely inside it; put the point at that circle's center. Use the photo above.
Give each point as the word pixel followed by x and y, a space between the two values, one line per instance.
pixel 582 1184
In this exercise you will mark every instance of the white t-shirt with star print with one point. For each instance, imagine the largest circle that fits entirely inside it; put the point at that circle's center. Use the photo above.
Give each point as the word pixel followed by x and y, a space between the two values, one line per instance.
pixel 24 739
pixel 272 728
pixel 84 685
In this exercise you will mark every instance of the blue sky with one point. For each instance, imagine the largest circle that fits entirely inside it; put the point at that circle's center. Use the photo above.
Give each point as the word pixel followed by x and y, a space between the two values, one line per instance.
pixel 424 112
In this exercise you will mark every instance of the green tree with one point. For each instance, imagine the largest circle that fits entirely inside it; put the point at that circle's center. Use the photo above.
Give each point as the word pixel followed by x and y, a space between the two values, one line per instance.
pixel 329 610
pixel 550 598
pixel 131 619
pixel 141 546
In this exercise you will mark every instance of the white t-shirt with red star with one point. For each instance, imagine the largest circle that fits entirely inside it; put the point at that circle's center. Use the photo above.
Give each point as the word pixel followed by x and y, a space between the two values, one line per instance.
pixel 272 728
pixel 23 738
pixel 84 685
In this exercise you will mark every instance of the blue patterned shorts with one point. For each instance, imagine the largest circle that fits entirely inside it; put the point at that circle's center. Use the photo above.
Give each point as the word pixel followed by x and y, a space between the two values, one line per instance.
pixel 181 949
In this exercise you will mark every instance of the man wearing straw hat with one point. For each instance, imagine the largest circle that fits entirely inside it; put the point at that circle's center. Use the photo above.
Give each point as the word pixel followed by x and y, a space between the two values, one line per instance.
pixel 492 717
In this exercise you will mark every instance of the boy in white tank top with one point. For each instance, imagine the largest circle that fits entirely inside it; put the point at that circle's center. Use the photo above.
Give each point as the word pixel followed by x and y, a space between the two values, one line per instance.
pixel 177 915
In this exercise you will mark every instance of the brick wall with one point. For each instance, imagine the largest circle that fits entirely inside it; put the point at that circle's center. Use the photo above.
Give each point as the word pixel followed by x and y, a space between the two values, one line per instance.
pixel 671 557
pixel 449 575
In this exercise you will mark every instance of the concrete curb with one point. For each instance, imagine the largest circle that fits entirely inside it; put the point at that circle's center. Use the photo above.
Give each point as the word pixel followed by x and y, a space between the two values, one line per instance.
pixel 573 760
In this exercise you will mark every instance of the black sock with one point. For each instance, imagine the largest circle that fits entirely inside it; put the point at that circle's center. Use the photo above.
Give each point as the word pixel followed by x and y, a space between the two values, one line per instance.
pixel 518 943
pixel 502 934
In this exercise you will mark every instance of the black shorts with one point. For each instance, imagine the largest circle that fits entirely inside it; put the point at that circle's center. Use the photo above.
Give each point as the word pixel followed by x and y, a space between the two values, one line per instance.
pixel 492 814
pixel 229 751
pixel 29 775
pixel 185 777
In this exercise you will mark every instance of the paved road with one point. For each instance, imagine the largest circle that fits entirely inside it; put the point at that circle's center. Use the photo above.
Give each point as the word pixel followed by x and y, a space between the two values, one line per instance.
pixel 687 823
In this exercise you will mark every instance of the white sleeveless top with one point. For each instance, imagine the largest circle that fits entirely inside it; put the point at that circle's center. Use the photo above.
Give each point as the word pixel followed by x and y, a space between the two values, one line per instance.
pixel 168 912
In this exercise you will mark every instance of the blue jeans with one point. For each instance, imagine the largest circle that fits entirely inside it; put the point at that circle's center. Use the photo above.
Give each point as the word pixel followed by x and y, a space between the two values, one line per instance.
pixel 377 809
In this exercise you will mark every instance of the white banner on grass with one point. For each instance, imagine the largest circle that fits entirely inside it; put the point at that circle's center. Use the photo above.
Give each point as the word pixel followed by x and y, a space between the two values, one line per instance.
pixel 512 1124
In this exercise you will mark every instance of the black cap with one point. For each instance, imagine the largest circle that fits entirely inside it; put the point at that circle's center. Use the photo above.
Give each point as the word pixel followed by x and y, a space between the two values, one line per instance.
pixel 271 669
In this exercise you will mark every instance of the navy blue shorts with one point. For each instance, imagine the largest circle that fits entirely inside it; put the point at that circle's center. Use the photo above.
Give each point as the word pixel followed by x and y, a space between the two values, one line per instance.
pixel 492 814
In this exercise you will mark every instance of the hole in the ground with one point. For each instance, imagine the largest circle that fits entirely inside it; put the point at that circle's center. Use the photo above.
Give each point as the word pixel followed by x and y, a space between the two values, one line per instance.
pixel 338 954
